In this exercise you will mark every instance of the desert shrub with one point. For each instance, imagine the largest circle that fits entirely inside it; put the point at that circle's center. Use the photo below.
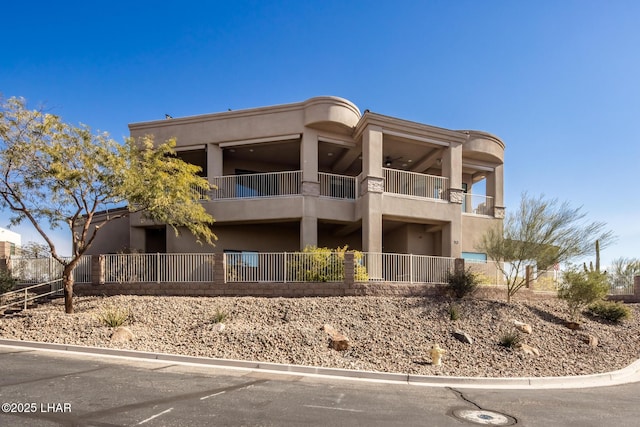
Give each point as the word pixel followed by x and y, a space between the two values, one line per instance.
pixel 610 310
pixel 315 264
pixel 545 283
pixel 454 312
pixel 220 316
pixel 581 288
pixel 114 316
pixel 7 283
pixel 462 283
pixel 483 279
pixel 510 339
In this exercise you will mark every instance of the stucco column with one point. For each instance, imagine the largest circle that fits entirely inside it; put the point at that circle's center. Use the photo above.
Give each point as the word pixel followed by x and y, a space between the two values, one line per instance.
pixel 310 188
pixel 309 156
pixel 309 223
pixel 372 187
pixel 451 238
pixel 452 169
pixel 214 161
pixel 372 152
pixel 495 189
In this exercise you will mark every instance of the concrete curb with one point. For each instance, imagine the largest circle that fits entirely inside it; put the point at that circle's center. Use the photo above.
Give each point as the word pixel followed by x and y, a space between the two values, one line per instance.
pixel 625 375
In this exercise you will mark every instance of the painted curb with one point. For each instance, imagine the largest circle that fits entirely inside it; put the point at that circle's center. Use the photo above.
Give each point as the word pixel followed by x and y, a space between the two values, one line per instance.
pixel 625 375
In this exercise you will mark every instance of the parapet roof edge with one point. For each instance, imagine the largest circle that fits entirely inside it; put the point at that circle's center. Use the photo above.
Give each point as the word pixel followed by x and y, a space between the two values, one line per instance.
pixel 486 135
pixel 243 112
pixel 402 125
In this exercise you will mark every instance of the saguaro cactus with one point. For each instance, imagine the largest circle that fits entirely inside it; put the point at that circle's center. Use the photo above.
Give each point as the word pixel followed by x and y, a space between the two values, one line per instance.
pixel 597 268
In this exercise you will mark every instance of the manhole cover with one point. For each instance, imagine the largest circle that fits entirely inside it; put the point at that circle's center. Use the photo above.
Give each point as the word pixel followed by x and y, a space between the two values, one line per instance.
pixel 481 416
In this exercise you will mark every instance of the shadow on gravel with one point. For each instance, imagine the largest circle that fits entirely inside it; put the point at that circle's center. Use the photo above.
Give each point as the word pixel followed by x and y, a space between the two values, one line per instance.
pixel 546 316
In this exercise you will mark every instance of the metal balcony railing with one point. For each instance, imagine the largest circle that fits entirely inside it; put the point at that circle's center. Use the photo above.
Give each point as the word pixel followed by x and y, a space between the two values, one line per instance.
pixel 257 185
pixel 337 186
pixel 415 184
pixel 477 204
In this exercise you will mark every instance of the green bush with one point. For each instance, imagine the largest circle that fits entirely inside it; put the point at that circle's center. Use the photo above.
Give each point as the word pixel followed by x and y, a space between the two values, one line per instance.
pixel 114 316
pixel 581 288
pixel 462 283
pixel 7 283
pixel 510 339
pixel 220 316
pixel 315 264
pixel 610 310
pixel 454 312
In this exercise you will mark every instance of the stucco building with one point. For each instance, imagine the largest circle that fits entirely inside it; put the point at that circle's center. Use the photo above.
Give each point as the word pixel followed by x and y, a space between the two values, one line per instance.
pixel 322 173
pixel 10 242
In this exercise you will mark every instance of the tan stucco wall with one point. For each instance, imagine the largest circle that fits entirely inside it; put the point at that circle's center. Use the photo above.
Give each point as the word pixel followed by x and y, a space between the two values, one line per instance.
pixel 473 228
pixel 275 237
pixel 353 240
pixel 413 239
pixel 112 238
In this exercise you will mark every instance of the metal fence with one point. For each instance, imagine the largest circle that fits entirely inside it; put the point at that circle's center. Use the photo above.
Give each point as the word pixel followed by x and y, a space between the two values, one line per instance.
pixel 621 285
pixel 38 270
pixel 122 268
pixel 284 267
pixel 407 268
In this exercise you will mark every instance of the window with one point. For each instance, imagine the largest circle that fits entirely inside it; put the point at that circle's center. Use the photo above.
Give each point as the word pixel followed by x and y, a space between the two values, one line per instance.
pixel 474 256
pixel 12 249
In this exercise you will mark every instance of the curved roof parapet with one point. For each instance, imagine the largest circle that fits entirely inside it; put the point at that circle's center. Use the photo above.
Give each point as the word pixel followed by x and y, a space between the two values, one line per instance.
pixel 484 144
pixel 331 112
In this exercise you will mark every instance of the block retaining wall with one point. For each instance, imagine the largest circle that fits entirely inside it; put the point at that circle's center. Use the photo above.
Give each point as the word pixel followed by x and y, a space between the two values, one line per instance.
pixel 288 290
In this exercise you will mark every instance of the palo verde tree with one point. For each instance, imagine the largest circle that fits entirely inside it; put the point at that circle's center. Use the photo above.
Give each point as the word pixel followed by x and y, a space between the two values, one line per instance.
pixel 541 233
pixel 34 250
pixel 53 174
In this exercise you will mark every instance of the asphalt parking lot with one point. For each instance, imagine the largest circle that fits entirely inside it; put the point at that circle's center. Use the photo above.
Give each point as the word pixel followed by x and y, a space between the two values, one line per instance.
pixel 57 389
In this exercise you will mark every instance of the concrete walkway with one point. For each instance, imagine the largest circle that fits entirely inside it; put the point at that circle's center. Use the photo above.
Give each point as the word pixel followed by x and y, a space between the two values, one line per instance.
pixel 630 374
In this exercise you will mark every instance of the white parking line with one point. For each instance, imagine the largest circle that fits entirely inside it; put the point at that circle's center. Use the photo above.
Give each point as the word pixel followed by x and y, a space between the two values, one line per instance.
pixel 211 395
pixel 335 409
pixel 155 416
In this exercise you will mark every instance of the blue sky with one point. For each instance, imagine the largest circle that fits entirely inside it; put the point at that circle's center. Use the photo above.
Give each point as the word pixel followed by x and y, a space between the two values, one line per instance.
pixel 558 81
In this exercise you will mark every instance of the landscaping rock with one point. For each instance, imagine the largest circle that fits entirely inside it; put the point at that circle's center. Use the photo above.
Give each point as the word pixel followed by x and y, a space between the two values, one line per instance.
pixel 463 337
pixel 121 334
pixel 572 325
pixel 218 327
pixel 590 339
pixel 337 341
pixel 527 349
pixel 523 327
pixel 388 334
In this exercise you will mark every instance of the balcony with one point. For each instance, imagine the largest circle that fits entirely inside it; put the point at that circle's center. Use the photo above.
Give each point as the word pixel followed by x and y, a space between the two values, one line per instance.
pixel 257 185
pixel 415 184
pixel 476 204
pixel 337 186
pixel 343 187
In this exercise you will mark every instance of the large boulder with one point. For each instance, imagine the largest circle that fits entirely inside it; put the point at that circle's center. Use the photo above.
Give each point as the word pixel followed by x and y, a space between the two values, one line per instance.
pixel 337 340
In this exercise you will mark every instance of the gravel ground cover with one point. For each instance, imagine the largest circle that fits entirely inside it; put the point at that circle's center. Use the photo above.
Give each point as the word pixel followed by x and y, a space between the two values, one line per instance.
pixel 387 334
